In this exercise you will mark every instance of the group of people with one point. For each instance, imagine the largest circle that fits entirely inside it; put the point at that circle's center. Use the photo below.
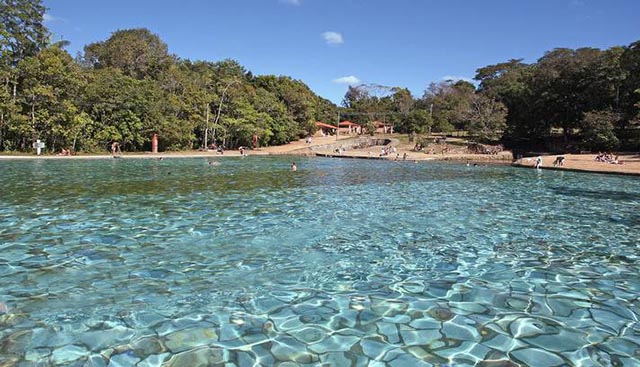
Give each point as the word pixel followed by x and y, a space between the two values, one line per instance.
pixel 607 158
pixel 65 152
pixel 219 149
pixel 386 150
pixel 537 163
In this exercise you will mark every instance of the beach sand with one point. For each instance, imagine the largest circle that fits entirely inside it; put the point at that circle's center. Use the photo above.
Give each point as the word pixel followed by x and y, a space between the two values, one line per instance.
pixel 586 162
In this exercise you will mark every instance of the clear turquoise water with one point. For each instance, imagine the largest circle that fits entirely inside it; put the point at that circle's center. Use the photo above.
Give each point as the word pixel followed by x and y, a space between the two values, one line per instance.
pixel 343 263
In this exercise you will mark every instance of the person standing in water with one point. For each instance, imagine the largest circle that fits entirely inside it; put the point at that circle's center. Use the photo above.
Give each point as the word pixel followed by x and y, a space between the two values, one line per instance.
pixel 293 167
pixel 115 149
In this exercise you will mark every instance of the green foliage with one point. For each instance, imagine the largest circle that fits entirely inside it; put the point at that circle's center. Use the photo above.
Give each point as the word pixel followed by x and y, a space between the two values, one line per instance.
pixel 441 125
pixel 371 102
pixel 125 109
pixel 369 127
pixel 51 84
pixel 22 30
pixel 485 118
pixel 416 121
pixel 302 108
pixel 629 97
pixel 22 35
pixel 449 103
pixel 555 93
pixel 138 53
pixel 129 87
pixel 597 130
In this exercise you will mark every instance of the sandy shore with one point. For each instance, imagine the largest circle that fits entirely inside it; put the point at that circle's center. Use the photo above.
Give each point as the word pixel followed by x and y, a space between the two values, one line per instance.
pixel 586 162
pixel 321 146
pixel 294 147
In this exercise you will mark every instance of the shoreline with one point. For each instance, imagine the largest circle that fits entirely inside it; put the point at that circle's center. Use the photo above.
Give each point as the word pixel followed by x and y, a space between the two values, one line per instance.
pixel 324 147
pixel 630 164
pixel 626 169
pixel 579 170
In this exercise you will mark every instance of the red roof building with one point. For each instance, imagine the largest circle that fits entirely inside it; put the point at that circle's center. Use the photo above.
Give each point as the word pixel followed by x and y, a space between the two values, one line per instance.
pixel 348 123
pixel 349 127
pixel 326 126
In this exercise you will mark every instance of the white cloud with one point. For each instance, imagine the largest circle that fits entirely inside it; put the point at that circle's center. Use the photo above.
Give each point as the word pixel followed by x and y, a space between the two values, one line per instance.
pixel 48 18
pixel 292 2
pixel 456 78
pixel 333 38
pixel 347 80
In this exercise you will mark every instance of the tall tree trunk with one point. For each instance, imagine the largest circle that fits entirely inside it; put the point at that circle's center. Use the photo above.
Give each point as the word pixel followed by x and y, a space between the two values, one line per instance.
pixel 33 116
pixel 206 129
pixel 73 145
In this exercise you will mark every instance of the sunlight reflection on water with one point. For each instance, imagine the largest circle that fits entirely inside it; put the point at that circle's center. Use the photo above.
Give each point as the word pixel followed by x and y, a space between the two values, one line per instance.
pixel 343 262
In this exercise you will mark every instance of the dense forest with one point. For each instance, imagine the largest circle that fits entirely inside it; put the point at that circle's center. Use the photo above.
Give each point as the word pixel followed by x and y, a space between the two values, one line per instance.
pixel 128 87
pixel 569 100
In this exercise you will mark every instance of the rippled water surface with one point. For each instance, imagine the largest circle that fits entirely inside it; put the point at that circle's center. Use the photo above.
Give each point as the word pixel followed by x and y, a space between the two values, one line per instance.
pixel 342 263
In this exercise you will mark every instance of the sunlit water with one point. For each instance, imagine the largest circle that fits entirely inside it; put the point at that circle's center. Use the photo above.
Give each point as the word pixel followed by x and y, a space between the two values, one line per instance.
pixel 342 263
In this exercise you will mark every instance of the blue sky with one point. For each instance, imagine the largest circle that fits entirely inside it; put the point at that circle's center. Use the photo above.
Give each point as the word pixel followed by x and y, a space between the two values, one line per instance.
pixel 330 43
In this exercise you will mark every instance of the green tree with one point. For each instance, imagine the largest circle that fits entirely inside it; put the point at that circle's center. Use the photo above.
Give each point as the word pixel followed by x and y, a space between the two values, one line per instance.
pixel 416 121
pixel 124 109
pixel 186 100
pixel 22 35
pixel 486 118
pixel 630 65
pixel 370 102
pixel 563 83
pixel 597 131
pixel 402 100
pixel 449 103
pixel 554 93
pixel 138 53
pixel 303 106
pixel 277 124
pixel 51 85
pixel 510 83
pixel 22 29
pixel 325 111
